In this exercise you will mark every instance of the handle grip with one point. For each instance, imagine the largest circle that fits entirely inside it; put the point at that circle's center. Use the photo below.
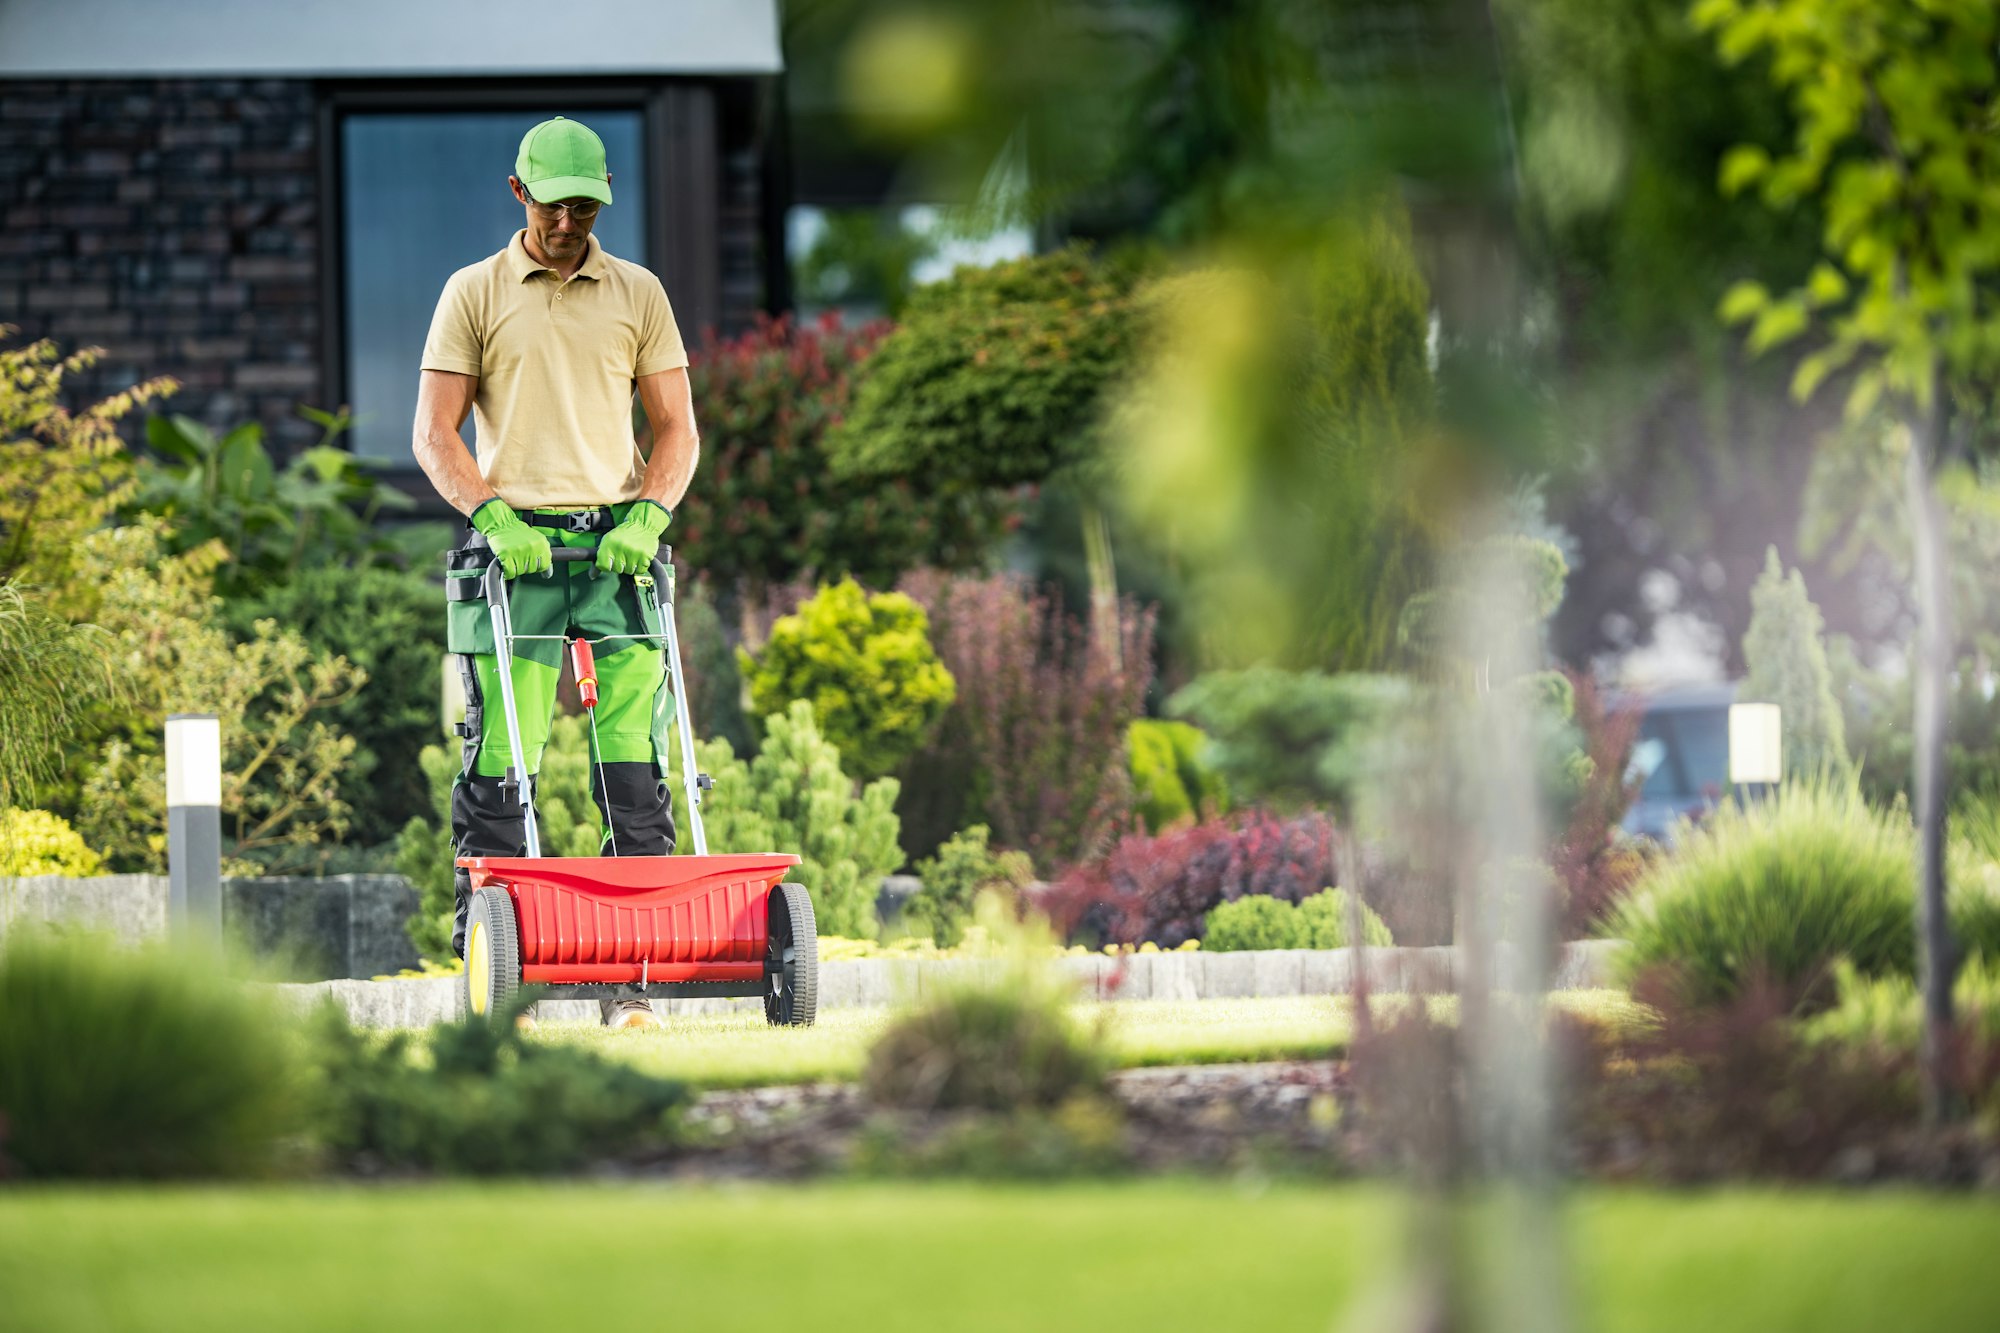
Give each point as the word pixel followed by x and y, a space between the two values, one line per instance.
pixel 661 574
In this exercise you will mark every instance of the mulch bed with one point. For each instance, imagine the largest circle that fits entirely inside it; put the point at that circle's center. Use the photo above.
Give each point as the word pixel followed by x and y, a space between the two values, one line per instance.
pixel 1202 1118
pixel 1296 1118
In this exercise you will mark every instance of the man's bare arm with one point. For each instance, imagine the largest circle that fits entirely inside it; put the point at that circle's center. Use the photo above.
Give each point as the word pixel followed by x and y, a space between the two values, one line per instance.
pixel 669 408
pixel 443 400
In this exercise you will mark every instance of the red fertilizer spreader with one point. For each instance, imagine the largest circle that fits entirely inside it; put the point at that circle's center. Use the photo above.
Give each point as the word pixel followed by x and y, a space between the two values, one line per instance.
pixel 633 926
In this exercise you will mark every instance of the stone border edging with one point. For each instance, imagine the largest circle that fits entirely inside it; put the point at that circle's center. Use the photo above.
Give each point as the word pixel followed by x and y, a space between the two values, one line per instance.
pixel 866 983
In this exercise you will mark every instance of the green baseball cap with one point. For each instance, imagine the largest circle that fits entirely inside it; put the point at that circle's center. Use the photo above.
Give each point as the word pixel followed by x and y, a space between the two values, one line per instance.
pixel 563 159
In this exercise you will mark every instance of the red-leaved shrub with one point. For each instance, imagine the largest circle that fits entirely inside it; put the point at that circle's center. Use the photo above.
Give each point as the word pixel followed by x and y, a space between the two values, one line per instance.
pixel 765 507
pixel 1160 887
pixel 1035 743
pixel 1593 862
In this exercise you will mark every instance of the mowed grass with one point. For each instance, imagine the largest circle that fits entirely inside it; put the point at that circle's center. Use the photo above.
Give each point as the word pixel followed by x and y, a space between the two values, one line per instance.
pixel 738 1049
pixel 1151 1256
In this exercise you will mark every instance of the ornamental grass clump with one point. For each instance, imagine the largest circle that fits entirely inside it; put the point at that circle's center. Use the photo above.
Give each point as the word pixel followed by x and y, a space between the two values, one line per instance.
pixel 990 1048
pixel 118 1062
pixel 1774 893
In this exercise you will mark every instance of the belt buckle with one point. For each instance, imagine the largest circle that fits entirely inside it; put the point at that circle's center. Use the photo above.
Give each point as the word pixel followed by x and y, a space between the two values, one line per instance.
pixel 581 520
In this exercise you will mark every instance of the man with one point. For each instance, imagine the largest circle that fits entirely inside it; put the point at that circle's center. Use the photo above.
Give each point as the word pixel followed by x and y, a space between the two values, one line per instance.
pixel 544 343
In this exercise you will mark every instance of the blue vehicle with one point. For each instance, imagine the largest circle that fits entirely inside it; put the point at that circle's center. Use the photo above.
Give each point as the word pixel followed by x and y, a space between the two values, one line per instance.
pixel 1682 754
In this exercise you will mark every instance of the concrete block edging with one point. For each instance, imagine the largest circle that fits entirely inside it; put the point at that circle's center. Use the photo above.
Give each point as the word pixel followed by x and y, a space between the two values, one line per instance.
pixel 875 983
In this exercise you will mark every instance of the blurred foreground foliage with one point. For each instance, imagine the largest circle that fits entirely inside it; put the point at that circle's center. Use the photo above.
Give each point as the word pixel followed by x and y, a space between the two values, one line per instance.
pixel 483 1102
pixel 116 1062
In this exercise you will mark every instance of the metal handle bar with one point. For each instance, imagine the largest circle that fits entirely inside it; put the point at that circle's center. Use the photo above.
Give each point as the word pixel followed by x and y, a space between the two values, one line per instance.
pixel 494 585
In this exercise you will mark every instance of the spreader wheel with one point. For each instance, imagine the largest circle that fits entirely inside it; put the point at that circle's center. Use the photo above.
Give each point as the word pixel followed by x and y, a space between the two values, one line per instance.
pixel 492 954
pixel 791 960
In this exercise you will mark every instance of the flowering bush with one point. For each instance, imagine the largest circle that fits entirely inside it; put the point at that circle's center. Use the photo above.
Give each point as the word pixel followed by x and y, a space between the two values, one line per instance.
pixel 765 506
pixel 1160 888
pixel 1036 741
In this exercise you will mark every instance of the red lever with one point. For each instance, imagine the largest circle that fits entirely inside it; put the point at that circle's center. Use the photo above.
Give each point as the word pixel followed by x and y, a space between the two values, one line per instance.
pixel 585 666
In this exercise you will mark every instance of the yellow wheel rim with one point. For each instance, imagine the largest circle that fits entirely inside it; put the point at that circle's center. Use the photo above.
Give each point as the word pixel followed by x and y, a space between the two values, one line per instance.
pixel 478 966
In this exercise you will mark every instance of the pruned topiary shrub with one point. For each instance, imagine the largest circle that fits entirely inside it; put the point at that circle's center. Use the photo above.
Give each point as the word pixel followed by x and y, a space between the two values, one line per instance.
pixel 1324 917
pixel 1319 922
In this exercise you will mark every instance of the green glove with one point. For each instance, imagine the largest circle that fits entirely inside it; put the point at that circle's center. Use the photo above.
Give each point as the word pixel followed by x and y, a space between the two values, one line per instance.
pixel 519 547
pixel 632 546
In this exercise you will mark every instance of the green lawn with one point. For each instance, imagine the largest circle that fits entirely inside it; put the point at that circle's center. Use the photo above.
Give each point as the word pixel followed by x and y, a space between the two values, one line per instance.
pixel 1149 1256
pixel 739 1050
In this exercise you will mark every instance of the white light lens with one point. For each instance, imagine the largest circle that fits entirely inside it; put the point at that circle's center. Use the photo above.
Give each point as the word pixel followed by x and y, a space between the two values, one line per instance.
pixel 194 759
pixel 1756 744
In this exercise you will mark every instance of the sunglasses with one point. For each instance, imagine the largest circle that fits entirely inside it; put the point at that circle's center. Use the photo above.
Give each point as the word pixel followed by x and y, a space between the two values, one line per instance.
pixel 583 212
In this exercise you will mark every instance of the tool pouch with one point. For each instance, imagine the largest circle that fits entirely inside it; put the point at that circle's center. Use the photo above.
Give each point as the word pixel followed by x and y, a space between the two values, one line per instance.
pixel 468 625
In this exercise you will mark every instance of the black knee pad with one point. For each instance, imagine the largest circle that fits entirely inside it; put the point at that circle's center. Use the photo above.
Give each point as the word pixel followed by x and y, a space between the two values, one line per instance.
pixel 637 808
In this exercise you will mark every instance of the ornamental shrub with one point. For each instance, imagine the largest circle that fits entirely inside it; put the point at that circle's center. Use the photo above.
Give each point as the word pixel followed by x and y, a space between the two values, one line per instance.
pixel 318 511
pixel 63 472
pixel 794 797
pixel 1171 783
pixel 35 842
pixel 480 1100
pixel 765 506
pixel 1159 888
pixel 1318 922
pixel 1291 738
pixel 963 868
pixel 865 663
pixel 1253 923
pixel 118 1062
pixel 389 623
pixel 994 377
pixel 1034 746
pixel 1324 918
pixel 282 755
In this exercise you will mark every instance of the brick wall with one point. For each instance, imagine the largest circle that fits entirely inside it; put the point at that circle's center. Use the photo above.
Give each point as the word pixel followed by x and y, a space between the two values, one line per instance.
pixel 175 223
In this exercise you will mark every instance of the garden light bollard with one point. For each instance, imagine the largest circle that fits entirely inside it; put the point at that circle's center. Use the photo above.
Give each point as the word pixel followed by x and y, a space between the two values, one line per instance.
pixel 194 826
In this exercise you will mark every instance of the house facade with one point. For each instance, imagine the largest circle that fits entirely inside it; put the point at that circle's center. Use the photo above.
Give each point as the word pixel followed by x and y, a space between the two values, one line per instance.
pixel 264 200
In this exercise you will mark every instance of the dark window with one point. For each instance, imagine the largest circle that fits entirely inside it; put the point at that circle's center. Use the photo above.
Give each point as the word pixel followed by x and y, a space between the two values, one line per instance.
pixel 421 195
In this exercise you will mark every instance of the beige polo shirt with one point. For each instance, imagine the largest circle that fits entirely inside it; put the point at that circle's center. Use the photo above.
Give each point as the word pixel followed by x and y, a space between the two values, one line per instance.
pixel 556 362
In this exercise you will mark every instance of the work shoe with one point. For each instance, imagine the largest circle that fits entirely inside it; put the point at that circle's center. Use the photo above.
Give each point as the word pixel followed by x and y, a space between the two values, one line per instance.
pixel 630 1014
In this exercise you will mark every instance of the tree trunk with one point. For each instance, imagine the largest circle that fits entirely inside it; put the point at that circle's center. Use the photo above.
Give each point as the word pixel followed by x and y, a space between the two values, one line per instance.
pixel 1103 582
pixel 1937 961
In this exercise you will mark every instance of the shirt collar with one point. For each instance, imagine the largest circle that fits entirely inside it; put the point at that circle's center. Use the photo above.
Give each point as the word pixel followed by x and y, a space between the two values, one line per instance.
pixel 523 264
